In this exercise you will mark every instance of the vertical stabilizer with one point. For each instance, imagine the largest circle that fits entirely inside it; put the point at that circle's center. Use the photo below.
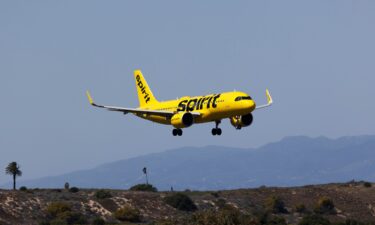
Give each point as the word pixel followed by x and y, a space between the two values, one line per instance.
pixel 145 95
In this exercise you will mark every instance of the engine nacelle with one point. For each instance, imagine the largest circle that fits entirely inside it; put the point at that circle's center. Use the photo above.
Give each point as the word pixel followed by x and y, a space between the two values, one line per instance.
pixel 181 120
pixel 241 121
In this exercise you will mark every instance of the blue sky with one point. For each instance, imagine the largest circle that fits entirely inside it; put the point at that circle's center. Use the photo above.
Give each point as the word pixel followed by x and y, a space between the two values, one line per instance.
pixel 316 57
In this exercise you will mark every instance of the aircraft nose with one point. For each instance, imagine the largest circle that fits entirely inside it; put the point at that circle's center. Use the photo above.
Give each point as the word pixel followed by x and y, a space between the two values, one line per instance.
pixel 250 105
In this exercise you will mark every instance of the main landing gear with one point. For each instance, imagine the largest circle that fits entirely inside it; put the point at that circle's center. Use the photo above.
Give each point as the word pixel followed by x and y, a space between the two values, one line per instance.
pixel 176 132
pixel 216 130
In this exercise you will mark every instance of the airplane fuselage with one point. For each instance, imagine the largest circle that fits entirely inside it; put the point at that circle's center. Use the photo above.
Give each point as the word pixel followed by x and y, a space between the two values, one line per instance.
pixel 212 107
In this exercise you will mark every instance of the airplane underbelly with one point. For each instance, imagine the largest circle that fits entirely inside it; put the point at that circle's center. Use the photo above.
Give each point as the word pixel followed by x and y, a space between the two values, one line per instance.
pixel 156 119
pixel 215 115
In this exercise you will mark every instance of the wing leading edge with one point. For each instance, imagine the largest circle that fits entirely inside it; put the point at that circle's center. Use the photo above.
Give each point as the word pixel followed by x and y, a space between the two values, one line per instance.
pixel 132 110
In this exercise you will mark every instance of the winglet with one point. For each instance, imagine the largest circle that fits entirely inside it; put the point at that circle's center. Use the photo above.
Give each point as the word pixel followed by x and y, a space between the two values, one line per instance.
pixel 90 98
pixel 269 98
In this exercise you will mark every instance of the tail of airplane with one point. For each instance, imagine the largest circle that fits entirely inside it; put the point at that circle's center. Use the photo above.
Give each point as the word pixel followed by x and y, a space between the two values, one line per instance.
pixel 145 95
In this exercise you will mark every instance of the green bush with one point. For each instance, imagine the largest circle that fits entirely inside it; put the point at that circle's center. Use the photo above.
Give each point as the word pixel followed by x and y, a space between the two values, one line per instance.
pixel 276 220
pixel 266 217
pixel 367 184
pixel 129 214
pixel 181 202
pixel 274 204
pixel 325 206
pixel 23 188
pixel 144 187
pixel 56 208
pixel 72 218
pixel 300 208
pixel 220 203
pixel 44 222
pixel 103 194
pixel 61 213
pixel 314 220
pixel 227 216
pixel 352 222
pixel 74 189
pixel 98 221
pixel 58 222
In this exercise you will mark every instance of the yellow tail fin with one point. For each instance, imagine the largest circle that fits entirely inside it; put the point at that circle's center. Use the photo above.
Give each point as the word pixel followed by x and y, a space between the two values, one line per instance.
pixel 145 95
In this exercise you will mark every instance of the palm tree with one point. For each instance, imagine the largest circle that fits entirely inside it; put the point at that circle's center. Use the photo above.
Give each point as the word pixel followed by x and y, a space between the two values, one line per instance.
pixel 13 169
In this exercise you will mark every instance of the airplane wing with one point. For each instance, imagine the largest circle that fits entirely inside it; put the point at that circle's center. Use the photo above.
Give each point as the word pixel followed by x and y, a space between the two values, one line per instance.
pixel 137 111
pixel 269 101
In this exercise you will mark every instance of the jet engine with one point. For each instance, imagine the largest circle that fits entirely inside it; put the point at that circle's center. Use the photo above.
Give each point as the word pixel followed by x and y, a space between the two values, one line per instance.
pixel 241 121
pixel 182 120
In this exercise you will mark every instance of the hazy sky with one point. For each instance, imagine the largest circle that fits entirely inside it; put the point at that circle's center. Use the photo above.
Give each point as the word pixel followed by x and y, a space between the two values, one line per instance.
pixel 316 57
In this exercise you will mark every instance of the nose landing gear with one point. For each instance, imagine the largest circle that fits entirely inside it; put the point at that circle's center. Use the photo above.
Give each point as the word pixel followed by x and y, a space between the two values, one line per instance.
pixel 216 130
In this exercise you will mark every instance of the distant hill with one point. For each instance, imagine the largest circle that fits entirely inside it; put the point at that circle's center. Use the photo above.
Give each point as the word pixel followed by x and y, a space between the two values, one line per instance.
pixel 293 161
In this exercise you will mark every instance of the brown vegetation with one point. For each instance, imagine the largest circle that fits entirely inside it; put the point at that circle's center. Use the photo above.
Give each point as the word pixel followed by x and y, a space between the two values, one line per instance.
pixel 322 204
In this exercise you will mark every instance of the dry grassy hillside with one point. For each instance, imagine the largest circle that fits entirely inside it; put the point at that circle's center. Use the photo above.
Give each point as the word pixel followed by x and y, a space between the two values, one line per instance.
pixel 246 206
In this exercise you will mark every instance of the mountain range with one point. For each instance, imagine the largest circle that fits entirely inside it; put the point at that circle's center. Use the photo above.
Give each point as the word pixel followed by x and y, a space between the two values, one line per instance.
pixel 292 161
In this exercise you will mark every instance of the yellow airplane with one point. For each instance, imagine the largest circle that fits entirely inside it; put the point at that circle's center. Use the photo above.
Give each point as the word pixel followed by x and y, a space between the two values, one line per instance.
pixel 186 111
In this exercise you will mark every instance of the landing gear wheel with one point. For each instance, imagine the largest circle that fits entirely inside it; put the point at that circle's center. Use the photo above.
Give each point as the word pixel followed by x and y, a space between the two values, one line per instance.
pixel 216 130
pixel 177 132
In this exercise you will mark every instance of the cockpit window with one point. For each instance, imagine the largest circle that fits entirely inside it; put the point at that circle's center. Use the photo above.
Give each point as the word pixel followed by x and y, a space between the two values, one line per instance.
pixel 240 98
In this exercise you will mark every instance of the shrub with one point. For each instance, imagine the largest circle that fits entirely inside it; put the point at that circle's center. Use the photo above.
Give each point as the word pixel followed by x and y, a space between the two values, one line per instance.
pixel 44 222
pixel 23 188
pixel 108 204
pixel 58 222
pixel 74 189
pixel 144 187
pixel 56 208
pixel 61 213
pixel 181 202
pixel 325 206
pixel 314 220
pixel 129 214
pixel 220 203
pixel 72 218
pixel 276 220
pixel 103 194
pixel 300 208
pixel 215 194
pixel 367 184
pixel 66 186
pixel 221 217
pixel 274 204
pixel 352 222
pixel 98 221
